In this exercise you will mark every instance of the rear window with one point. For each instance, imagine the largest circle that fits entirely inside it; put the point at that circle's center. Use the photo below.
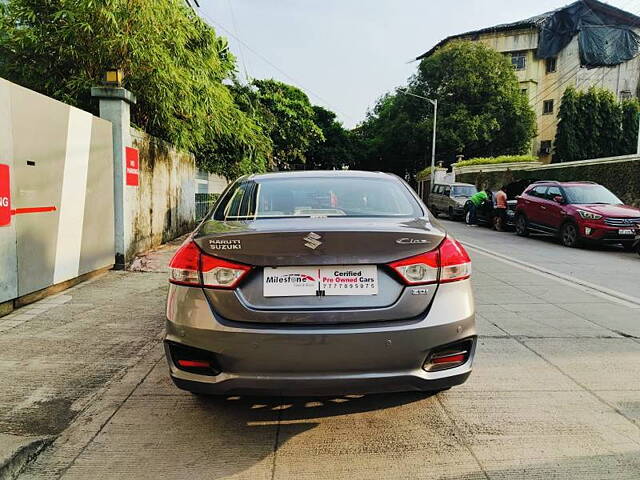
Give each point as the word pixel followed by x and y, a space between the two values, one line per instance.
pixel 317 197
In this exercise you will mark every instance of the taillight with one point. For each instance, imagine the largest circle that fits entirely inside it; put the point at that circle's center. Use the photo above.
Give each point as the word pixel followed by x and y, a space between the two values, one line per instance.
pixel 189 266
pixel 419 270
pixel 447 263
pixel 455 264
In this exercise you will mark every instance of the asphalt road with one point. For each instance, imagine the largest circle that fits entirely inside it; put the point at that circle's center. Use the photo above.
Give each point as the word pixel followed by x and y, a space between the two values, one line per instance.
pixel 555 394
pixel 608 267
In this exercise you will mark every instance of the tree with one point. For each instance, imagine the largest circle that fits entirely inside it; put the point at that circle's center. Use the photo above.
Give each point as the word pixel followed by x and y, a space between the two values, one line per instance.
pixel 482 111
pixel 568 136
pixel 593 124
pixel 630 113
pixel 395 137
pixel 62 48
pixel 288 118
pixel 336 149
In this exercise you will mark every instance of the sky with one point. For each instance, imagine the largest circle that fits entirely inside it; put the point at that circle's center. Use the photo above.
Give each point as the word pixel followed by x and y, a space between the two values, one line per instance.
pixel 345 54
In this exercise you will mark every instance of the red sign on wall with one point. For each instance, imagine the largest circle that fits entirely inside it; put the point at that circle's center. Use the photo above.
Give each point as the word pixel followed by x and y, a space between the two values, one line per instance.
pixel 5 196
pixel 133 166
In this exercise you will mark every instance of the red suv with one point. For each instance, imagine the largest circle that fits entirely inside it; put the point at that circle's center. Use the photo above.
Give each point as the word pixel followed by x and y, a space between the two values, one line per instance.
pixel 577 212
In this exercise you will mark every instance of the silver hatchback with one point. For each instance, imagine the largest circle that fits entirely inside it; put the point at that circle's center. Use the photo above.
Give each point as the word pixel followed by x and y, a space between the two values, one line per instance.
pixel 319 283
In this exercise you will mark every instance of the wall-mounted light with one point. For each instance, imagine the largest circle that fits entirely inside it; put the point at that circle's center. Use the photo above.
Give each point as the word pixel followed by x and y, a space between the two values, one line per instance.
pixel 113 77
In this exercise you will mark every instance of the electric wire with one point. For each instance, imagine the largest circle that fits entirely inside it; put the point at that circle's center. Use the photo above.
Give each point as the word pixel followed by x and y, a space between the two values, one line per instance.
pixel 271 64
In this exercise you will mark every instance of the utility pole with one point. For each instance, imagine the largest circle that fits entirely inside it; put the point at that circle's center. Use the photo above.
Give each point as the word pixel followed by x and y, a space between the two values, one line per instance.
pixel 638 149
pixel 435 126
pixel 433 146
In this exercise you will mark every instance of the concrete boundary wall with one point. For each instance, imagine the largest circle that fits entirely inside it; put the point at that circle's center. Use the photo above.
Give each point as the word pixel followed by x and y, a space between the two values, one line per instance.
pixel 61 192
pixel 162 207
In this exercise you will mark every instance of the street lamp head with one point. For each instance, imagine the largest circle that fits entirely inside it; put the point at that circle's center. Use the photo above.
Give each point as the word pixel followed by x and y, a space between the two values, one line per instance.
pixel 113 77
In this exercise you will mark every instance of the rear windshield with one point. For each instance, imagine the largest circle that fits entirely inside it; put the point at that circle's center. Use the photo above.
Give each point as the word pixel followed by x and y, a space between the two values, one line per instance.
pixel 586 194
pixel 317 197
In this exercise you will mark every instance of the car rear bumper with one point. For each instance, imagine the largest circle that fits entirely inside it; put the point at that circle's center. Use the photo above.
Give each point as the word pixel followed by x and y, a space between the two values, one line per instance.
pixel 322 360
pixel 320 386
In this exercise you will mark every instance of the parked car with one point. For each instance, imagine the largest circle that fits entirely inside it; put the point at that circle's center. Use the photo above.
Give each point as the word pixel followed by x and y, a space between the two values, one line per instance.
pixel 313 283
pixel 450 199
pixel 486 213
pixel 577 212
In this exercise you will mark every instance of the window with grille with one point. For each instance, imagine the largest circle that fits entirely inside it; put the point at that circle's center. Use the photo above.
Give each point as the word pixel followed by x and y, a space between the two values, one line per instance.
pixel 552 64
pixel 545 147
pixel 519 60
pixel 625 95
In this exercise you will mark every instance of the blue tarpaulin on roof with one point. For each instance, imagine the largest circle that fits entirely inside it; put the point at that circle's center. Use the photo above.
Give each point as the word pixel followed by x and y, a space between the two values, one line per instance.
pixel 603 39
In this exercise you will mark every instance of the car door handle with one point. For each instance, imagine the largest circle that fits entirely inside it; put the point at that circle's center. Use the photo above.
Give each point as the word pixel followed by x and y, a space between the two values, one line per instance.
pixel 542 207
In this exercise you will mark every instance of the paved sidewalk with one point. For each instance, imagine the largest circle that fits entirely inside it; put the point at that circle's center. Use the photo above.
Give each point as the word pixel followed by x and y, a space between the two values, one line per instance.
pixel 57 354
pixel 555 394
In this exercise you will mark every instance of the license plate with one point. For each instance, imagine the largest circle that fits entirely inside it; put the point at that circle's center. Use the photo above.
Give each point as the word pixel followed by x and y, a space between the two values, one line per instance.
pixel 627 232
pixel 320 281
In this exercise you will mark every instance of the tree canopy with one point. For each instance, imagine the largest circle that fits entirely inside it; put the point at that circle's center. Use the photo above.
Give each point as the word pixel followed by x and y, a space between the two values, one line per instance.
pixel 181 72
pixel 482 112
pixel 288 118
pixel 337 149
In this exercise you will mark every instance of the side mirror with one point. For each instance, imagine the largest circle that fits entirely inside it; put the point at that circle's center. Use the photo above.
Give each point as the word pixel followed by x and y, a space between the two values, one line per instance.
pixel 559 199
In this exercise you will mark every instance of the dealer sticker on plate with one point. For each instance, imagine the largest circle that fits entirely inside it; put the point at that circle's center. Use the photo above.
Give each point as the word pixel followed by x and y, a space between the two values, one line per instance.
pixel 320 281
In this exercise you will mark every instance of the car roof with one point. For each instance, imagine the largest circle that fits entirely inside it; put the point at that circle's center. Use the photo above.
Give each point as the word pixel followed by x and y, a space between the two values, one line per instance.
pixel 319 174
pixel 545 183
pixel 455 184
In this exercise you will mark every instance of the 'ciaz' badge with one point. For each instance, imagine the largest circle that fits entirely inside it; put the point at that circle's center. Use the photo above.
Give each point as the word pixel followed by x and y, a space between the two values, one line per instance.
pixel 412 241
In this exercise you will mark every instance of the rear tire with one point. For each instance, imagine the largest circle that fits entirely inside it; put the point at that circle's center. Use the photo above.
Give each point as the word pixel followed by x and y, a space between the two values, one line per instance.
pixel 522 226
pixel 629 247
pixel 451 214
pixel 434 211
pixel 569 235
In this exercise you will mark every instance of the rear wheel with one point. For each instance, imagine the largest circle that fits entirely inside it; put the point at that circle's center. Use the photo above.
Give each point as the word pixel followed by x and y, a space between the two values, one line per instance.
pixel 451 214
pixel 569 235
pixel 434 210
pixel 629 247
pixel 522 226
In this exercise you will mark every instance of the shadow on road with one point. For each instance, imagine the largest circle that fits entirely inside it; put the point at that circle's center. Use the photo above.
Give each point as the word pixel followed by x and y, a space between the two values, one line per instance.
pixel 308 408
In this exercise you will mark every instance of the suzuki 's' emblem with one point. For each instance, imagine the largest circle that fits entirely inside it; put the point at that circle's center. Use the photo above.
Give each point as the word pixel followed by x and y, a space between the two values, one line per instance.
pixel 312 240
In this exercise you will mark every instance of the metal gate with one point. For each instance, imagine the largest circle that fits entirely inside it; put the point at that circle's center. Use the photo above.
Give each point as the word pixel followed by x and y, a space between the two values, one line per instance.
pixel 204 203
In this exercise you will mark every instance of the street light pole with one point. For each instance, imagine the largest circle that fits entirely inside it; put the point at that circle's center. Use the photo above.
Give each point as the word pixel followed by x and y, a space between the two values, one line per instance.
pixel 435 126
pixel 433 146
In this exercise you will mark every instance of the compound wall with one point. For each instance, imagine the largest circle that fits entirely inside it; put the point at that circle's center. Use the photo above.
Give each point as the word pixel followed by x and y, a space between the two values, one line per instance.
pixel 59 209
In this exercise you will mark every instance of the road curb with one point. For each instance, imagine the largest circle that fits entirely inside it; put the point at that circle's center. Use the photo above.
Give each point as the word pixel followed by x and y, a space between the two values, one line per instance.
pixel 617 296
pixel 16 452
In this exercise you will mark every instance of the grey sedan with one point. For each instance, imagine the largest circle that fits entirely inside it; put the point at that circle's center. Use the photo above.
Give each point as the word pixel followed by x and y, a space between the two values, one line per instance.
pixel 319 283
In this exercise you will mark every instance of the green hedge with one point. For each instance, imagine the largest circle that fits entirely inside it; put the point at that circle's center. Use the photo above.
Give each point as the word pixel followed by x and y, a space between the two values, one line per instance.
pixel 494 160
pixel 622 178
pixel 423 174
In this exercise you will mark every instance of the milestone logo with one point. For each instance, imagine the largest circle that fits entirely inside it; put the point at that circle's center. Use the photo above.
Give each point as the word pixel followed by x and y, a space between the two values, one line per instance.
pixel 290 279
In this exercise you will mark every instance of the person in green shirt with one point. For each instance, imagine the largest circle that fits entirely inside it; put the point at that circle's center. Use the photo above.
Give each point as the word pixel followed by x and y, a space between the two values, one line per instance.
pixel 474 202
